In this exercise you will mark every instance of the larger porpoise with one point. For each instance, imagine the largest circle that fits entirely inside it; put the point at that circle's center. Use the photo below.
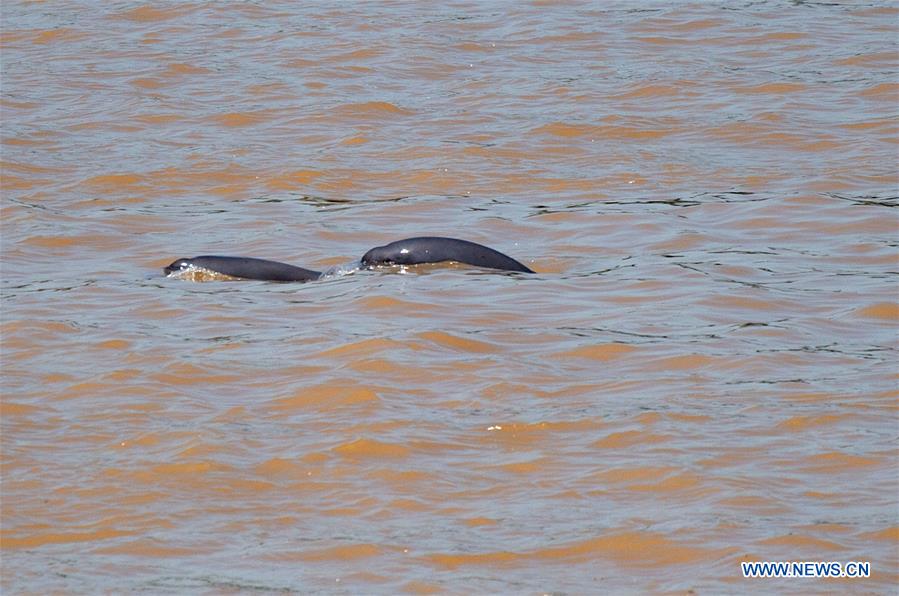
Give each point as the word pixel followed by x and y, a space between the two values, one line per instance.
pixel 434 249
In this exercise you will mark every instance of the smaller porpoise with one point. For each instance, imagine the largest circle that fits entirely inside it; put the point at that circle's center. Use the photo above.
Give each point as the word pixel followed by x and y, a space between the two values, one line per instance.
pixel 433 249
pixel 245 268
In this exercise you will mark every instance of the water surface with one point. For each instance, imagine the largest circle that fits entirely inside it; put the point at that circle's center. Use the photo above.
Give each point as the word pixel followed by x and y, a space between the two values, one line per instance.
pixel 702 372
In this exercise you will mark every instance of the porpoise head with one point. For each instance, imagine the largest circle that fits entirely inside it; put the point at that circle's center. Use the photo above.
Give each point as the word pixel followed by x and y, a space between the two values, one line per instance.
pixel 176 266
pixel 384 255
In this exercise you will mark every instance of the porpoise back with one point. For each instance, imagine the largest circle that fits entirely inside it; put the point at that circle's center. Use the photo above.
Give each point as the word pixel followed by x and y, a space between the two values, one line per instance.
pixel 245 268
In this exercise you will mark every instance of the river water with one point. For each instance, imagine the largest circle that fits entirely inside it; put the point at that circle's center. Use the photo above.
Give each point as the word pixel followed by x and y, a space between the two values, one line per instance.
pixel 703 372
